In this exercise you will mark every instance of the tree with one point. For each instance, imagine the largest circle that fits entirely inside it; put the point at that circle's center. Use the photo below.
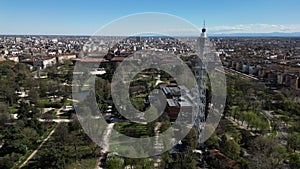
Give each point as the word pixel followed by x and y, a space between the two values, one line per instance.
pixel 230 148
pixel 191 140
pixel 229 99
pixel 144 163
pixel 52 156
pixel 33 96
pixel 75 124
pixel 183 161
pixel 4 115
pixel 54 87
pixel 243 104
pixel 5 66
pixel 294 160
pixel 68 137
pixel 246 139
pixel 212 141
pixel 256 106
pixel 234 110
pixel 31 135
pixel 293 141
pixel 279 98
pixel 15 140
pixel 266 98
pixel 7 91
pixel 265 153
pixel 8 161
pixel 61 133
pixel 166 160
pixel 43 88
pixel 114 162
pixel 22 73
pixel 48 116
pixel 26 110
pixel 130 162
pixel 75 141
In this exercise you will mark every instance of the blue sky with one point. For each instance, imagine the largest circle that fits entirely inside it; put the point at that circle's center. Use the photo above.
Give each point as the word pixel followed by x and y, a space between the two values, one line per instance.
pixel 84 18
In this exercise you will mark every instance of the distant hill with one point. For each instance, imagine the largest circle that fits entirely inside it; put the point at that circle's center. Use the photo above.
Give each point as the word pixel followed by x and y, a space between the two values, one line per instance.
pixel 273 34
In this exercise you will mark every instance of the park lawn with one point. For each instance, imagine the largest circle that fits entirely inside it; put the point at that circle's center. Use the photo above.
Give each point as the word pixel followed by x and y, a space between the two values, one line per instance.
pixel 132 129
pixel 44 101
pixel 138 103
pixel 13 109
pixel 68 102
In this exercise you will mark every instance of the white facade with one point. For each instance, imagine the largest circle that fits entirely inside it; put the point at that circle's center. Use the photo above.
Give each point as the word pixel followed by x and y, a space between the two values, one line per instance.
pixel 61 58
pixel 49 62
pixel 15 59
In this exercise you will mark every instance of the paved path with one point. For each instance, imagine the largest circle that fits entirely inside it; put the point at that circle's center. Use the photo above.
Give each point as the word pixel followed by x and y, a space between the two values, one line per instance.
pixel 105 144
pixel 39 147
pixel 227 70
pixel 158 145
pixel 240 124
pixel 267 117
pixel 55 120
pixel 58 112
pixel 281 133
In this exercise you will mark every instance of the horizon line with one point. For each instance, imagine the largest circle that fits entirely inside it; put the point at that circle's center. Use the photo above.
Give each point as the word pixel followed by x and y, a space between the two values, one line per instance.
pixel 263 34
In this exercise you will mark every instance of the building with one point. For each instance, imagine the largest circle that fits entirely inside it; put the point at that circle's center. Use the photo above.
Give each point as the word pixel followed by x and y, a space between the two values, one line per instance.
pixel 41 62
pixel 178 101
pixel 14 58
pixel 61 58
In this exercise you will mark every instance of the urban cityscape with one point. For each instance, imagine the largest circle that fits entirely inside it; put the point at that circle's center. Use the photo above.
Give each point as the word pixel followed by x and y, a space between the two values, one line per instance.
pixel 61 97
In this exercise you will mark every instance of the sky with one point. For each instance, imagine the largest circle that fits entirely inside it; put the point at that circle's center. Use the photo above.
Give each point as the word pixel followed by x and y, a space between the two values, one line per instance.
pixel 74 17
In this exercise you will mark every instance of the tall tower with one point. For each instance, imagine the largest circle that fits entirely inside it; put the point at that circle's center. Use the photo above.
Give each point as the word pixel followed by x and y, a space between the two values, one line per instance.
pixel 200 75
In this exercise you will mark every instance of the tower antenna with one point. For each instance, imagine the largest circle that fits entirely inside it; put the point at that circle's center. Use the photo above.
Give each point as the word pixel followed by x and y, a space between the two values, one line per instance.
pixel 203 30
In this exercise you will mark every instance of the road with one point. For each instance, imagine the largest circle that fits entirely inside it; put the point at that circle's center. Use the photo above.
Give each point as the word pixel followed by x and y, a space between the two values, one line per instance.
pixel 105 145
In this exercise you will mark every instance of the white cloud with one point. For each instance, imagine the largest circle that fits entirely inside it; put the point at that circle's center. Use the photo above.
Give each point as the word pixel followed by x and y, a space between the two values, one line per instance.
pixel 255 28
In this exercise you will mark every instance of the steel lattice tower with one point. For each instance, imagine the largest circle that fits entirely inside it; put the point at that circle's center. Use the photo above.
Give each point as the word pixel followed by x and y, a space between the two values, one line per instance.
pixel 201 78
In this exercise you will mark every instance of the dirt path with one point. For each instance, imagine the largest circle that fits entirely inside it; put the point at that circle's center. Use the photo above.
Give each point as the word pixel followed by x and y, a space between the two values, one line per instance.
pixel 39 147
pixel 158 145
pixel 105 145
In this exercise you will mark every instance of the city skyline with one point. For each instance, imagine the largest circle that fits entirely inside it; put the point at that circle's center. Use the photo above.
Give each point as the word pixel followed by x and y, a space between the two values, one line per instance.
pixel 81 18
pixel 153 85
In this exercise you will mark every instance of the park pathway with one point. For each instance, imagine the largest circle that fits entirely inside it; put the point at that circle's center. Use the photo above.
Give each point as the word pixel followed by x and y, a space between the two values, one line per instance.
pixel 105 145
pixel 39 147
